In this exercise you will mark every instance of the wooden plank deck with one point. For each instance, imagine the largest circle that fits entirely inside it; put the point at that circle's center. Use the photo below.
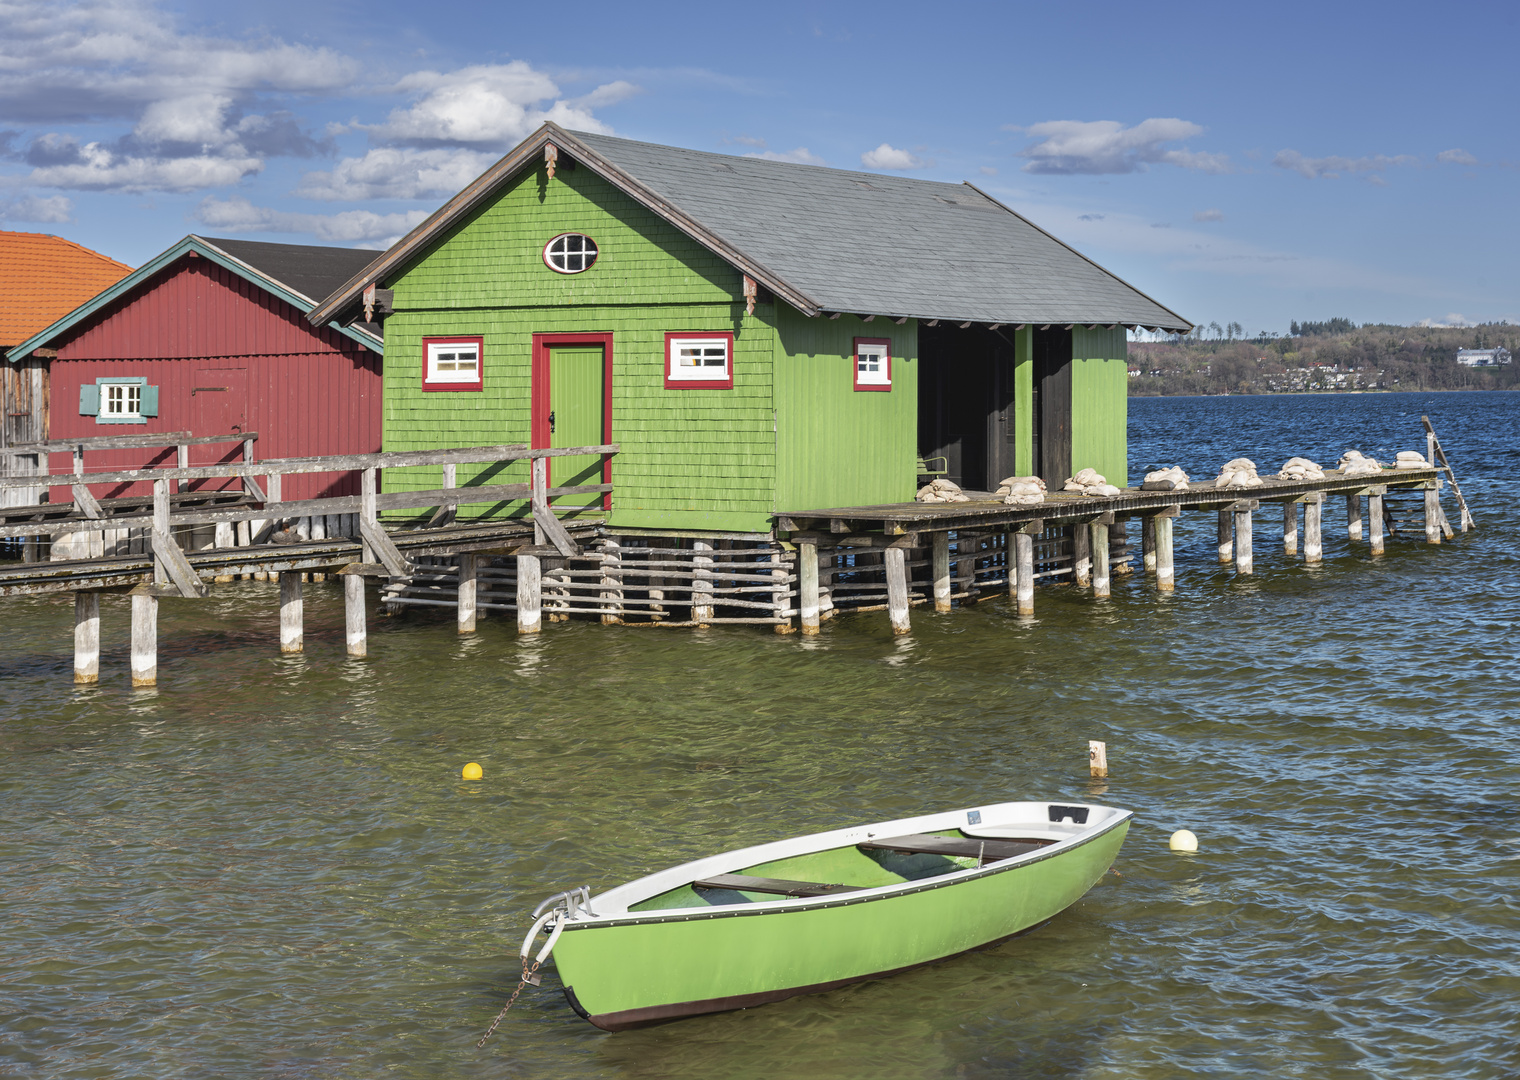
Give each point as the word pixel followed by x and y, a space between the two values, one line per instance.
pixel 900 519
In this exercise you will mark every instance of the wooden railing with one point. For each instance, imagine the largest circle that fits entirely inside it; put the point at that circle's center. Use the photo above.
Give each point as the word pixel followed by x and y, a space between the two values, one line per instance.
pixel 179 441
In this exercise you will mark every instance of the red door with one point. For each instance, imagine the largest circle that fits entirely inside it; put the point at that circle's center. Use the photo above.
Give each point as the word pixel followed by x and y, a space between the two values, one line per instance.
pixel 218 406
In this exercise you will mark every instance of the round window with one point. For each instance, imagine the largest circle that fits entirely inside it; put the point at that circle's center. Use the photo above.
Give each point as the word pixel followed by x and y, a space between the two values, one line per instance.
pixel 570 253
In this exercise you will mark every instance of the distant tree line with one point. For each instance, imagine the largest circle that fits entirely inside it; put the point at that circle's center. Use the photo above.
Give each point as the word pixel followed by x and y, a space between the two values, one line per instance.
pixel 1333 355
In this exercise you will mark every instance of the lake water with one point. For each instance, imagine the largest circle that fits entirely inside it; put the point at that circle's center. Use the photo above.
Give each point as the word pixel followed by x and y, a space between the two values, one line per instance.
pixel 269 867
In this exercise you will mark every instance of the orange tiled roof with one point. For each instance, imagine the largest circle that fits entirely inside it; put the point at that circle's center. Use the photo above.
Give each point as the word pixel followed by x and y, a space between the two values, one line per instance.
pixel 43 278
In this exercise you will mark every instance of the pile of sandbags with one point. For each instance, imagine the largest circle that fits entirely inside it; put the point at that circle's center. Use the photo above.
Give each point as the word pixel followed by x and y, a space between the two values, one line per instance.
pixel 1297 468
pixel 941 491
pixel 1173 479
pixel 1238 473
pixel 1410 459
pixel 1352 463
pixel 1090 482
pixel 1022 491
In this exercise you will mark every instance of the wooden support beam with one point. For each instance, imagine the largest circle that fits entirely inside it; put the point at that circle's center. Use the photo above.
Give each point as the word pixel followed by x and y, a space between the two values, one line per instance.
pixel 466 593
pixel 612 582
pixel 1148 544
pixel 1226 536
pixel 702 585
pixel 1432 515
pixel 167 553
pixel 897 589
pixel 1354 517
pixel 941 568
pixel 86 638
pixel 86 502
pixel 160 525
pixel 1023 561
pixel 1244 563
pixel 780 598
pixel 1165 581
pixel 291 628
pixel 530 602
pixel 1100 567
pixel 144 637
pixel 1313 548
pixel 1290 528
pixel 357 632
pixel 807 587
pixel 383 548
pixel 1081 556
pixel 1118 536
pixel 1375 522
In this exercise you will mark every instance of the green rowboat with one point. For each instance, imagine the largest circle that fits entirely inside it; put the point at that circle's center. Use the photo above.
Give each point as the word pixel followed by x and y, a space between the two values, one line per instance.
pixel 816 912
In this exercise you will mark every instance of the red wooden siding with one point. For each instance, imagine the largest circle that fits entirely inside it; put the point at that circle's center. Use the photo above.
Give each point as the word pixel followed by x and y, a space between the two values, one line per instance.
pixel 305 391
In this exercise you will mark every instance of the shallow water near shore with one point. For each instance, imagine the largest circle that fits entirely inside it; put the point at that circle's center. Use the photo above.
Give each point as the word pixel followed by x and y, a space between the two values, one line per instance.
pixel 269 867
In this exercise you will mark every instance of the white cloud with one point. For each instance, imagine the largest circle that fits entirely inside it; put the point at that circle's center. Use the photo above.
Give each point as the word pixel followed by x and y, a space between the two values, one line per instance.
pixel 1102 147
pixel 1452 320
pixel 887 156
pixel 1331 168
pixel 1456 157
pixel 397 172
pixel 362 228
pixel 95 167
pixel 1208 215
pixel 800 156
pixel 489 104
pixel 50 210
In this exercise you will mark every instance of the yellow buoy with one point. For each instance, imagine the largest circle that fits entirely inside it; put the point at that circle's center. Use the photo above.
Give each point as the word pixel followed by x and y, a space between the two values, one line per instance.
pixel 1183 840
pixel 472 771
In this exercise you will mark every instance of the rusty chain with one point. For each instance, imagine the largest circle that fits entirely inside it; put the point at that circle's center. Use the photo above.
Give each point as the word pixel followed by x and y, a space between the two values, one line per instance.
pixel 529 975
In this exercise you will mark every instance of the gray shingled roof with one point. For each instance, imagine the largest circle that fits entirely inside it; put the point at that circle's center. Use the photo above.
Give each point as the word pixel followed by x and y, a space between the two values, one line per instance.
pixel 885 245
pixel 311 271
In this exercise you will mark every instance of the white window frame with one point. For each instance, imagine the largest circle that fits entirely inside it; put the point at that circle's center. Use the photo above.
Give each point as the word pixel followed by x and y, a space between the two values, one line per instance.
pixel 438 349
pixel 873 365
pixel 705 374
pixel 125 393
pixel 550 255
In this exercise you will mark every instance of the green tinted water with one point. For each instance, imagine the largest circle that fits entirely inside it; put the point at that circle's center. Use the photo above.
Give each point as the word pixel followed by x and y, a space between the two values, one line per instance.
pixel 269 867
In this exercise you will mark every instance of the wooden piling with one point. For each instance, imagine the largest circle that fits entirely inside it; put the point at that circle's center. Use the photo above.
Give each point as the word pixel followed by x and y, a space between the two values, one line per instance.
pixel 354 615
pixel 1081 556
pixel 1353 517
pixel 1100 566
pixel 1313 549
pixel 1023 546
pixel 1226 536
pixel 897 589
pixel 1290 528
pixel 162 527
pixel 807 586
pixel 1432 515
pixel 467 591
pixel 1165 578
pixel 612 582
pixel 291 639
pixel 1118 537
pixel 86 637
pixel 702 583
pixel 1097 758
pixel 1148 543
pixel 1244 563
pixel 1375 520
pixel 144 637
pixel 530 572
pixel 941 568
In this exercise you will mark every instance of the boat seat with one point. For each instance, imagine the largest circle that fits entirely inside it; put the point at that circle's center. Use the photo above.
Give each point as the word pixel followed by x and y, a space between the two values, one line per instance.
pixel 779 886
pixel 987 850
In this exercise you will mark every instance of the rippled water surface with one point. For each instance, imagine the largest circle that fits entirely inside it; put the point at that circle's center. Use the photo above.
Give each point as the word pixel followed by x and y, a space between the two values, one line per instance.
pixel 269 868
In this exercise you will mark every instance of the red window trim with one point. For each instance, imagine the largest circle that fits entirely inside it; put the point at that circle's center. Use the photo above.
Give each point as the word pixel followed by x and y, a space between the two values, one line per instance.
pixel 539 397
pixel 699 384
pixel 449 339
pixel 855 363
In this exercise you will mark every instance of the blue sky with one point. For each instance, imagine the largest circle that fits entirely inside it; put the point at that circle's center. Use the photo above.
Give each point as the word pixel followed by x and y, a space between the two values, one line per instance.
pixel 1249 164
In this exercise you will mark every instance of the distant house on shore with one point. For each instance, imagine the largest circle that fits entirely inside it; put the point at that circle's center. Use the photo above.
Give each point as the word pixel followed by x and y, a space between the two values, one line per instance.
pixel 211 338
pixel 1483 357
pixel 758 336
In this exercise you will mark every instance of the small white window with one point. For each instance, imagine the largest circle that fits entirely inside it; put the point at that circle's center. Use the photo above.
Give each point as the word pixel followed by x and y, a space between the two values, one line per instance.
pixel 570 253
pixel 123 401
pixel 453 364
pixel 873 365
pixel 694 359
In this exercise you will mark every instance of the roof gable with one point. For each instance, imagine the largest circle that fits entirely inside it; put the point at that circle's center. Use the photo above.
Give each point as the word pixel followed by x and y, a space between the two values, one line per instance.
pixel 43 277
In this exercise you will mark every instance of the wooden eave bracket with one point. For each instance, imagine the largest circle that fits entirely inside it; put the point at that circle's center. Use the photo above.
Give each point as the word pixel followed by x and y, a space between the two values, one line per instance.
pixel 551 158
pixel 751 290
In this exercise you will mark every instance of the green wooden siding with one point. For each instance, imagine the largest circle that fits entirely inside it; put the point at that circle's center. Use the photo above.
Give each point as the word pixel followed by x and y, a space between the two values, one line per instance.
pixel 835 445
pixel 1023 402
pixel 1100 402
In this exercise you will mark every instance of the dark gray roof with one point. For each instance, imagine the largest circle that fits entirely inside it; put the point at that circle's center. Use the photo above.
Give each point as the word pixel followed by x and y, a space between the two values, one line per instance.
pixel 885 245
pixel 312 271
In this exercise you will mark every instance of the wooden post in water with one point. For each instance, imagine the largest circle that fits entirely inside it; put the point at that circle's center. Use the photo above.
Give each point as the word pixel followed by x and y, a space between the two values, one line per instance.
pixel 782 596
pixel 1243 554
pixel 144 636
pixel 1165 578
pixel 941 567
pixel 807 586
pixel 897 589
pixel 1081 555
pixel 1375 519
pixel 357 631
pixel 1118 534
pixel 1100 574
pixel 468 584
pixel 1226 536
pixel 1023 546
pixel 1313 549
pixel 1148 543
pixel 1353 517
pixel 1432 514
pixel 86 637
pixel 290 612
pixel 1290 528
pixel 160 526
pixel 702 583
pixel 530 600
pixel 612 582
pixel 1097 759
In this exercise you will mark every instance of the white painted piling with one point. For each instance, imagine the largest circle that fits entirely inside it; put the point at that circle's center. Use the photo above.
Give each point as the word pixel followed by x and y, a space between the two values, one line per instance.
pixel 1100 565
pixel 941 567
pixel 612 582
pixel 1432 515
pixel 468 582
pixel 702 582
pixel 1290 528
pixel 1023 545
pixel 354 615
pixel 1353 517
pixel 1165 578
pixel 144 637
pixel 1226 536
pixel 291 621
pixel 807 586
pixel 1313 506
pixel 530 597
pixel 1375 521
pixel 1081 556
pixel 1244 562
pixel 86 637
pixel 897 589
pixel 1148 543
